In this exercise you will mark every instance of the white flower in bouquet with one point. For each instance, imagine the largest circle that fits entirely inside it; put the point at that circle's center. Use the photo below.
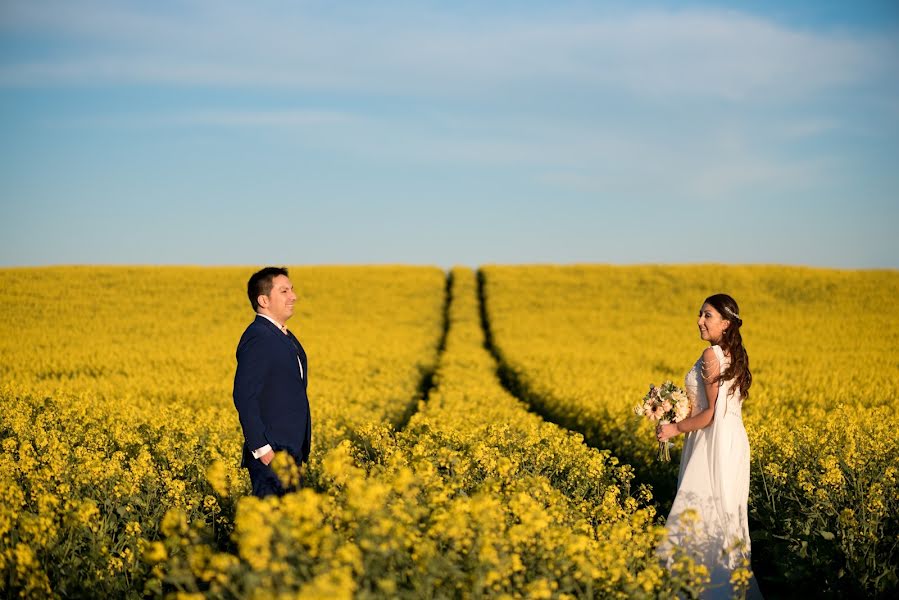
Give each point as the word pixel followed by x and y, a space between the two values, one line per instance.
pixel 682 406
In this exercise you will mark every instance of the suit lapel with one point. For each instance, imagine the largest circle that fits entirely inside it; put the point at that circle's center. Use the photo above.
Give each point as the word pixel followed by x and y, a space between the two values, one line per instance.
pixel 289 340
pixel 300 352
pixel 285 339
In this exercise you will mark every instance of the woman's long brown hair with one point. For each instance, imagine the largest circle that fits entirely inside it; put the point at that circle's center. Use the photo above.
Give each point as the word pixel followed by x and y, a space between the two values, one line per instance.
pixel 732 343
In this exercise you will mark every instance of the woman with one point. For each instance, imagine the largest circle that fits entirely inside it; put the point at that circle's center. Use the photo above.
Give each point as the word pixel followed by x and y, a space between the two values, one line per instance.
pixel 708 518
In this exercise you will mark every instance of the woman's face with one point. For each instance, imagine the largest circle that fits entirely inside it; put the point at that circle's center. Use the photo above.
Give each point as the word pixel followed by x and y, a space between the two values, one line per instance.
pixel 711 324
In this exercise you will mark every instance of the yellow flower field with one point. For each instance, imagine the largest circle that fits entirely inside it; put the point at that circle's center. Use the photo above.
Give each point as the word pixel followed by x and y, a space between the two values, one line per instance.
pixel 115 389
pixel 475 497
pixel 121 447
pixel 428 478
pixel 583 343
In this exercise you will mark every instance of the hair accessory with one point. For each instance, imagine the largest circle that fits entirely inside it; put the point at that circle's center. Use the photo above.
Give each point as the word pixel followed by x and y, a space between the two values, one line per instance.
pixel 732 313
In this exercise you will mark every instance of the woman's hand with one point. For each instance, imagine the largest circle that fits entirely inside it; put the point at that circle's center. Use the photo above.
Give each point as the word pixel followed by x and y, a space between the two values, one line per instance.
pixel 666 431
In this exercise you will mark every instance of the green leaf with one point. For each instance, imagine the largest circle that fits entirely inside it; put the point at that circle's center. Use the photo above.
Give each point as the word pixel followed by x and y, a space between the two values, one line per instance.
pixel 827 535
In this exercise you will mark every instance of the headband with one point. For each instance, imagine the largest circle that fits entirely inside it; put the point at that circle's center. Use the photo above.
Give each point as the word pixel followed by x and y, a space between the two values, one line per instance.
pixel 732 313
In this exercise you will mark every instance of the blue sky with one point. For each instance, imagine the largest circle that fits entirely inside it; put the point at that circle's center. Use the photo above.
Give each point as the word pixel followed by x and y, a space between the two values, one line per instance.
pixel 449 132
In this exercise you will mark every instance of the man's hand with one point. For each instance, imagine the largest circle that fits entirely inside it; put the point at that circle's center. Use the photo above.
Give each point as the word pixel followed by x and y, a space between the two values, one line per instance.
pixel 267 457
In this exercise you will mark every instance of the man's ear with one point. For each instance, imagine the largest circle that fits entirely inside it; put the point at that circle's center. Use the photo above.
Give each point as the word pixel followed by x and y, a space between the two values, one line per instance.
pixel 262 300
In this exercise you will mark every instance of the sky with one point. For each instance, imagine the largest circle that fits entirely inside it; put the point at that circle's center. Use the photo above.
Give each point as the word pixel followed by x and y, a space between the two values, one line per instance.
pixel 238 133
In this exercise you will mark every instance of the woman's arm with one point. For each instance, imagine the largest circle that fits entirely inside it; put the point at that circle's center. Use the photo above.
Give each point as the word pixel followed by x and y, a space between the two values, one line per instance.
pixel 711 369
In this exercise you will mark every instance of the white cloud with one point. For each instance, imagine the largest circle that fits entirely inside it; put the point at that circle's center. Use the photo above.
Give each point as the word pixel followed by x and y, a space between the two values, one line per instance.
pixel 725 55
pixel 258 118
pixel 808 127
pixel 659 58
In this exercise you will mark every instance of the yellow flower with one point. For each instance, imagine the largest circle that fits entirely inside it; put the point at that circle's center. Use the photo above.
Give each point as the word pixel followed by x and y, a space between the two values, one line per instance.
pixel 155 553
pixel 174 523
pixel 217 476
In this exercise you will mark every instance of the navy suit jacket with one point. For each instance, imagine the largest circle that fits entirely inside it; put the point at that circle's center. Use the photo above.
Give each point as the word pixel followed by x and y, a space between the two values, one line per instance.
pixel 270 391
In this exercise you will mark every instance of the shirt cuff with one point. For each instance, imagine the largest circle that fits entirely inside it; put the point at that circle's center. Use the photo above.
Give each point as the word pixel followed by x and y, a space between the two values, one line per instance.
pixel 262 451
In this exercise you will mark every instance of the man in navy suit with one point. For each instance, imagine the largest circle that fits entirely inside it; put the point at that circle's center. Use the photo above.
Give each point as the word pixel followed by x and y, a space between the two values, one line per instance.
pixel 270 383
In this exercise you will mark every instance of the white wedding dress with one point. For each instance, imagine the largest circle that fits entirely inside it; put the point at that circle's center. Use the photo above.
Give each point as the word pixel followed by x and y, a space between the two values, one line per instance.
pixel 709 517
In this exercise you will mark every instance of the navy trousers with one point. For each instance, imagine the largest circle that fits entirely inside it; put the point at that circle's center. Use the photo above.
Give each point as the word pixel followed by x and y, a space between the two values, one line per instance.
pixel 265 481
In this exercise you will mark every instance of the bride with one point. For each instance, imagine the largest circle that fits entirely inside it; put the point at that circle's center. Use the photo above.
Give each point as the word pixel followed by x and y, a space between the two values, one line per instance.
pixel 708 518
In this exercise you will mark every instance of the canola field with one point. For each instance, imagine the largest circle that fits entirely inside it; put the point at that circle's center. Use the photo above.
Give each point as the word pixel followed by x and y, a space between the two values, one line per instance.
pixel 582 343
pixel 115 390
pixel 430 478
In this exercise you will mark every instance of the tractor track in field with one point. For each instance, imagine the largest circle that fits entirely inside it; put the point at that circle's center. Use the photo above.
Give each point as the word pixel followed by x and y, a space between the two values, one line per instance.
pixel 663 487
pixel 427 382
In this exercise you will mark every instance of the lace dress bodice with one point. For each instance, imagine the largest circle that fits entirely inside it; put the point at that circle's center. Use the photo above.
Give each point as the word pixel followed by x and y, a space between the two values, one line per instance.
pixel 695 392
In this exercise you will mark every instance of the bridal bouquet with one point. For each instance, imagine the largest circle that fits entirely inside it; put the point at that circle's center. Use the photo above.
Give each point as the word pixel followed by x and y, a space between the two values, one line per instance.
pixel 665 404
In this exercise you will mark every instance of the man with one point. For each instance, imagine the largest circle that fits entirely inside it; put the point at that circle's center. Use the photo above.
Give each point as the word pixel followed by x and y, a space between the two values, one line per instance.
pixel 270 383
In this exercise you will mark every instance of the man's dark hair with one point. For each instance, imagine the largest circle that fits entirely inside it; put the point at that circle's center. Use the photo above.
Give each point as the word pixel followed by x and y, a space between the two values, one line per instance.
pixel 260 283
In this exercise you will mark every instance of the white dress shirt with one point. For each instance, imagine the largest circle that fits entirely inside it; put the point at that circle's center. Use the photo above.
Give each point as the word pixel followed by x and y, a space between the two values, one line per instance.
pixel 260 452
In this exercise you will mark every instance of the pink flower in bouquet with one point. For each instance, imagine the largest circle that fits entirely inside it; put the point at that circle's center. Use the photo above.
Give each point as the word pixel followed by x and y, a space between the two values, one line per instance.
pixel 656 412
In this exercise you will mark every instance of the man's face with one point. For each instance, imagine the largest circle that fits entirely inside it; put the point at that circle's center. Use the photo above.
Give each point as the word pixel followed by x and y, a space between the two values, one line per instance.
pixel 279 303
